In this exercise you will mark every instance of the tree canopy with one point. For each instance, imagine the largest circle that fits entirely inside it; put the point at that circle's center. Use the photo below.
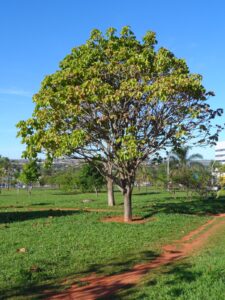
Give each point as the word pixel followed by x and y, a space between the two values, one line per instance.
pixel 89 179
pixel 118 100
pixel 180 156
pixel 30 172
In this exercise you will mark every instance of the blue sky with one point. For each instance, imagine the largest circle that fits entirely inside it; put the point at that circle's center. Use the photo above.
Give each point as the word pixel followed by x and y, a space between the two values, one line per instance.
pixel 36 35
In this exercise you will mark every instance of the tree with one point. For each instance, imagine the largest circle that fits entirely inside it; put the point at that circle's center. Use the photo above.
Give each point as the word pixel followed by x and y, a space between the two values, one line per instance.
pixel 117 101
pixel 89 179
pixel 2 173
pixel 217 170
pixel 180 156
pixel 65 179
pixel 30 173
pixel 6 169
pixel 143 176
pixel 185 170
pixel 194 178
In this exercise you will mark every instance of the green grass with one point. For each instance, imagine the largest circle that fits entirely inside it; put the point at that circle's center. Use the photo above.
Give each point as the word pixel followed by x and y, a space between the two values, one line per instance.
pixel 72 244
pixel 199 277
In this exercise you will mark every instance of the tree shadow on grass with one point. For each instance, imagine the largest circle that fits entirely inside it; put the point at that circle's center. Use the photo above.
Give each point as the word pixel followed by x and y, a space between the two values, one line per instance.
pixel 38 289
pixel 201 207
pixel 20 216
pixel 195 207
pixel 12 206
pixel 31 291
pixel 176 275
pixel 64 193
pixel 146 193
pixel 117 266
pixel 73 193
pixel 41 204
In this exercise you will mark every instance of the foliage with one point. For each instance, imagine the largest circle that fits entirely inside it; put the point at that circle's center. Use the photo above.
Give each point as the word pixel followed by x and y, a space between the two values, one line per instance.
pixel 186 172
pixel 222 180
pixel 158 174
pixel 64 179
pixel 116 99
pixel 30 172
pixel 8 172
pixel 89 179
pixel 85 179
pixel 193 178
pixel 180 156
pixel 5 163
pixel 219 168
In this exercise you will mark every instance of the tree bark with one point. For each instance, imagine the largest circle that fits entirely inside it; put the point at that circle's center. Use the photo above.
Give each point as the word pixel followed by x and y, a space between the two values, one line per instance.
pixel 96 192
pixel 119 187
pixel 127 204
pixel 111 199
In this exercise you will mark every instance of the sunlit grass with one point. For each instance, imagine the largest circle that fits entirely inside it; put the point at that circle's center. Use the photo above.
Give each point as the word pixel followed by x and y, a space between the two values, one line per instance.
pixel 201 276
pixel 61 244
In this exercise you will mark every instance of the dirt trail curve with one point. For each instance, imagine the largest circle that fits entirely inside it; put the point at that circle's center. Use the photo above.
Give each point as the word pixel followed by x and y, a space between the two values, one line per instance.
pixel 102 287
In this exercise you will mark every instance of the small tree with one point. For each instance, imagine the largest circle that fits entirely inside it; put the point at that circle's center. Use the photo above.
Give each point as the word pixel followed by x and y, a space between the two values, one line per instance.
pixel 2 173
pixel 180 156
pixel 118 101
pixel 6 170
pixel 185 170
pixel 89 179
pixel 66 179
pixel 195 179
pixel 30 174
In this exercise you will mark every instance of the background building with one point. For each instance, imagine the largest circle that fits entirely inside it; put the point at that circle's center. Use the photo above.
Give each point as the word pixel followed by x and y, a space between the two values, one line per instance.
pixel 220 152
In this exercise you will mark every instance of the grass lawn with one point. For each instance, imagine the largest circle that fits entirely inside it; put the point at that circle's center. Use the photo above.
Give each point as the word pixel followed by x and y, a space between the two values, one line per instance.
pixel 72 244
pixel 199 277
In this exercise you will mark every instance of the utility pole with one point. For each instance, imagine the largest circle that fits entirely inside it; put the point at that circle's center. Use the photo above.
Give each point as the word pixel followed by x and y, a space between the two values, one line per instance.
pixel 168 167
pixel 212 181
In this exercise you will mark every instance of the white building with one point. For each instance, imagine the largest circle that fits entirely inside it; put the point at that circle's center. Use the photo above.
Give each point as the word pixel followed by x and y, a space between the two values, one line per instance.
pixel 220 152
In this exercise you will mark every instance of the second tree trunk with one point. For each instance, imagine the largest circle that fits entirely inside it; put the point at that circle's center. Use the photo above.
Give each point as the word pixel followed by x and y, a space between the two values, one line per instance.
pixel 111 199
pixel 127 204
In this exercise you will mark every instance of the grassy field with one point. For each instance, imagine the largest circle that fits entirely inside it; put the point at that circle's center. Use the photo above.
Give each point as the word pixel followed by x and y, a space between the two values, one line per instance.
pixel 199 277
pixel 71 244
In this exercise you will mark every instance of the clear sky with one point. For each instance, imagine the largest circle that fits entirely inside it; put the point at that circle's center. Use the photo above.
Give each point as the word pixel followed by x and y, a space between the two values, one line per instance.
pixel 36 35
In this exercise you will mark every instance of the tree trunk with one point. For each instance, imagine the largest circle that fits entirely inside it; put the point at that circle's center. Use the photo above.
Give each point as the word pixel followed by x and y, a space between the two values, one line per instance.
pixel 111 199
pixel 120 189
pixel 127 204
pixel 96 192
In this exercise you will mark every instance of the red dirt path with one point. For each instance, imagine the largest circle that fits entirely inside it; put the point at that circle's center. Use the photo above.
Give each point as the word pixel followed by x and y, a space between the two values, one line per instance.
pixel 102 287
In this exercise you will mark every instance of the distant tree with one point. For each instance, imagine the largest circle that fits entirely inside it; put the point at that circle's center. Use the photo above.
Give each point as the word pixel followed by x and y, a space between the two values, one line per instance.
pixel 158 173
pixel 219 167
pixel 180 156
pixel 2 173
pixel 66 179
pixel 30 174
pixel 217 170
pixel 117 101
pixel 194 179
pixel 89 179
pixel 7 169
pixel 222 180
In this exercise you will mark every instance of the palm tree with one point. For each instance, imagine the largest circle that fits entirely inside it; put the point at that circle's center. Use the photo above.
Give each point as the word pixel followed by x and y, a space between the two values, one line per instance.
pixel 184 167
pixel 181 158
